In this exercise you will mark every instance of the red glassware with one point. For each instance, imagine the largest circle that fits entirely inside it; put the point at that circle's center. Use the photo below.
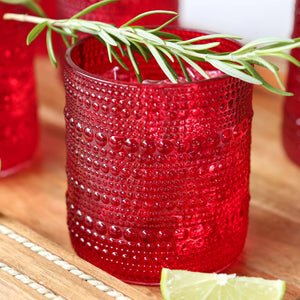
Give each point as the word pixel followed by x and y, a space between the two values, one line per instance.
pixel 120 12
pixel 49 7
pixel 291 116
pixel 18 107
pixel 158 173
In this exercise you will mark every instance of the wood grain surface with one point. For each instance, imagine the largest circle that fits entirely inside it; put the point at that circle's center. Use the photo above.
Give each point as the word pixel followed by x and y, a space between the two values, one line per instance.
pixel 60 271
pixel 36 195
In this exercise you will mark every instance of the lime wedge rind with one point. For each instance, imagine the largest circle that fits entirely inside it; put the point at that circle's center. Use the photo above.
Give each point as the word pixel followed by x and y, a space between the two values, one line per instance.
pixel 184 285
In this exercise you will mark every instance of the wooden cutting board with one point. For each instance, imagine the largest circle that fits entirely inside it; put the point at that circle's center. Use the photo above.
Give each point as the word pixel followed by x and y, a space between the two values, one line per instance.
pixel 32 267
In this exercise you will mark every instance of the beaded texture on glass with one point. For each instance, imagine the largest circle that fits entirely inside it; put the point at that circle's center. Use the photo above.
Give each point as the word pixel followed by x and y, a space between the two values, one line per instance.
pixel 291 117
pixel 158 175
pixel 18 108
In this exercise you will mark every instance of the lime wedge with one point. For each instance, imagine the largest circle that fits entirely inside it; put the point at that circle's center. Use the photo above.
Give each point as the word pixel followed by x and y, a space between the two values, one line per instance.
pixel 185 285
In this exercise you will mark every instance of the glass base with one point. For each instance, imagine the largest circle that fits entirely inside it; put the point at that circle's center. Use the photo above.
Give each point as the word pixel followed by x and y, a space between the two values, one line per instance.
pixel 158 283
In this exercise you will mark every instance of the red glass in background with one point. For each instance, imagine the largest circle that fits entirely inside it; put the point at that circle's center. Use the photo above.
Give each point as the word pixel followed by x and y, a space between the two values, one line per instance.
pixel 120 12
pixel 49 7
pixel 291 117
pixel 18 107
pixel 158 173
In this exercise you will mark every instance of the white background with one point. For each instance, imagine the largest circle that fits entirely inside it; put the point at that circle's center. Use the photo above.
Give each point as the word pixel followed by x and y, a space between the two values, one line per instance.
pixel 249 19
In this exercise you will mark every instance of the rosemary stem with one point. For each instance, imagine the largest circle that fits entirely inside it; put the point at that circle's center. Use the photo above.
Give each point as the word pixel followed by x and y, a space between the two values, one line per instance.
pixel 129 34
pixel 37 20
pixel 25 18
pixel 165 45
pixel 71 24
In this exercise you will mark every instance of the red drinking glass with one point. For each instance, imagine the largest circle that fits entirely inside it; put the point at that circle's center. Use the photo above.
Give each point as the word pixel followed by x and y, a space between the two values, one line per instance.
pixel 18 107
pixel 291 115
pixel 158 173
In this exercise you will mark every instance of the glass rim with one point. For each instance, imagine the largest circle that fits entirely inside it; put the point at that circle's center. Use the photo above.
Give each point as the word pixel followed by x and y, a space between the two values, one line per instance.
pixel 69 61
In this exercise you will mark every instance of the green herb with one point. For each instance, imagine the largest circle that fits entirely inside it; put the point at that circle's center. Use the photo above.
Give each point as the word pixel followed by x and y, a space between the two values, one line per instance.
pixel 30 4
pixel 166 47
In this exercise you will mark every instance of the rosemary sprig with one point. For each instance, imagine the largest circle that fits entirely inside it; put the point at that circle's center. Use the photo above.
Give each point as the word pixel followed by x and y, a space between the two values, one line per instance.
pixel 166 47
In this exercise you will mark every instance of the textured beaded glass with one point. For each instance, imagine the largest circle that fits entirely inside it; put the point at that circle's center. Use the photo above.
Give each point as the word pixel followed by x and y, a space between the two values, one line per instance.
pixel 18 108
pixel 291 116
pixel 157 173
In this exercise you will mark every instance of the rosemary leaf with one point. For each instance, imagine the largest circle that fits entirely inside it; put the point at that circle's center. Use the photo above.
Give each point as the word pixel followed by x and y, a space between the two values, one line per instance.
pixel 142 50
pixel 121 49
pixel 134 64
pixel 107 38
pixel 66 41
pixel 174 46
pixel 149 36
pixel 162 63
pixel 164 25
pixel 262 41
pixel 148 13
pixel 14 1
pixel 276 45
pixel 168 35
pixel 199 47
pixel 92 8
pixel 36 30
pixel 278 49
pixel 166 53
pixel 30 4
pixel 74 39
pixel 108 47
pixel 274 69
pixel 62 32
pixel 118 59
pixel 195 66
pixel 287 57
pixel 236 64
pixel 35 8
pixel 88 26
pixel 171 69
pixel 183 68
pixel 265 84
pixel 120 37
pixel 50 47
pixel 208 37
pixel 227 69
